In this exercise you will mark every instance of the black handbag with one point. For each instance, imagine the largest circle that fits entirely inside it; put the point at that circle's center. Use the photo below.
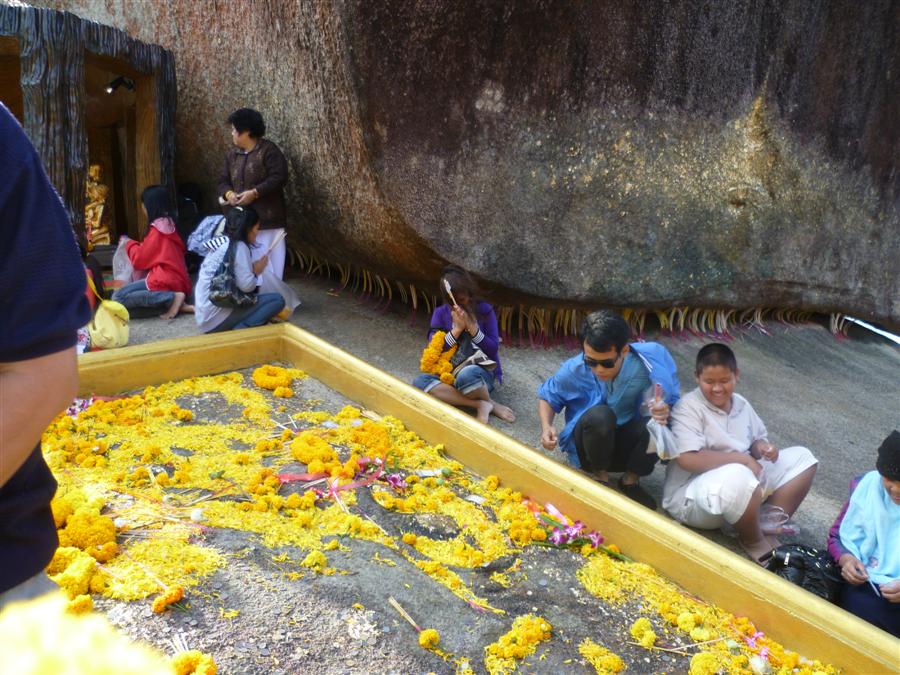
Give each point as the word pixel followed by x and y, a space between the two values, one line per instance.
pixel 223 288
pixel 809 568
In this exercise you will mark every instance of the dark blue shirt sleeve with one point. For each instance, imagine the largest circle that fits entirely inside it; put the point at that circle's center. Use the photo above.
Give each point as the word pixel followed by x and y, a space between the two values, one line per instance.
pixel 42 278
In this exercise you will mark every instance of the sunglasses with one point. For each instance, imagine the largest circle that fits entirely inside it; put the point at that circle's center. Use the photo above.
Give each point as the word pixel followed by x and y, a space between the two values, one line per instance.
pixel 601 363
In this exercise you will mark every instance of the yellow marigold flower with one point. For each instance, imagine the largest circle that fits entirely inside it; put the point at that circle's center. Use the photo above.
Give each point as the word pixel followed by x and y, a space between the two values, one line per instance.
pixel 315 560
pixel 242 458
pixel 283 392
pixel 162 479
pixel 704 663
pixel 700 634
pixel 409 538
pixel 193 662
pixel 105 552
pixel 429 638
pixel 603 660
pixel 491 482
pixel 686 621
pixel 447 378
pixel 642 631
pixel 271 377
pixel 172 595
pixel 80 604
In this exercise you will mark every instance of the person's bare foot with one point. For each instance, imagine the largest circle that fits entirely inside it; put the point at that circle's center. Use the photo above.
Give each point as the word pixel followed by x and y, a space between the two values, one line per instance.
pixel 483 410
pixel 172 312
pixel 505 413
pixel 756 549
pixel 186 309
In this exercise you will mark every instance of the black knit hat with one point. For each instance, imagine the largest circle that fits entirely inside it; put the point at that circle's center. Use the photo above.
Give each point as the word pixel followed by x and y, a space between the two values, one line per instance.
pixel 888 463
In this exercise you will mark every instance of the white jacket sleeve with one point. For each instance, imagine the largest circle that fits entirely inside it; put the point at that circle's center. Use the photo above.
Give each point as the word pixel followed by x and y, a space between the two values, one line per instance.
pixel 243 268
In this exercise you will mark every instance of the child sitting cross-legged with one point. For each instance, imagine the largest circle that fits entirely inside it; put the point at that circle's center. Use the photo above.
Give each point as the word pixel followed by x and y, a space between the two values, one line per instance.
pixel 726 469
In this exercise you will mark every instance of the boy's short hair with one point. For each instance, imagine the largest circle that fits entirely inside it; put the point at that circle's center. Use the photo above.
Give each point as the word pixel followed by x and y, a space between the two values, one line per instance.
pixel 248 119
pixel 715 354
pixel 605 330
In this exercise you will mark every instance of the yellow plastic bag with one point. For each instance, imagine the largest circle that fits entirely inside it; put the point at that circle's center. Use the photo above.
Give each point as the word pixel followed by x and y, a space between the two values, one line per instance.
pixel 109 327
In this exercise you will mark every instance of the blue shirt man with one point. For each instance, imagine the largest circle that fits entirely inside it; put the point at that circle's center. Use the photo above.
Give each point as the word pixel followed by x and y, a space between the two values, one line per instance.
pixel 601 392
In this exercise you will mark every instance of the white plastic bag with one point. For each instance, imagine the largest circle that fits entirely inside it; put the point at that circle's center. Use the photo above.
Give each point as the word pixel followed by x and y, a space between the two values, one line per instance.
pixel 269 283
pixel 123 270
pixel 663 439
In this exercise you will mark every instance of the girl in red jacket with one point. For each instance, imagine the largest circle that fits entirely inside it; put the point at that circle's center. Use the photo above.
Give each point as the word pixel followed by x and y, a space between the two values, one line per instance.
pixel 162 254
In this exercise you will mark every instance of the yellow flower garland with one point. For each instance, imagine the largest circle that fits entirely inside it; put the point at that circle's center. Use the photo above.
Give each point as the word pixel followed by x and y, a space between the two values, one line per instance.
pixel 436 361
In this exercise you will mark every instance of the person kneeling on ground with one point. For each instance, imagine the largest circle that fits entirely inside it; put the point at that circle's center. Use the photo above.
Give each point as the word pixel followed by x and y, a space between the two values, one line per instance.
pixel 602 391
pixel 726 469
pixel 162 254
pixel 868 529
pixel 470 325
pixel 241 228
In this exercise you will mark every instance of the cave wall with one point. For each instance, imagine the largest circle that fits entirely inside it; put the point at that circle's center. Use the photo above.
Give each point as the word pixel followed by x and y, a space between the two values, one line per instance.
pixel 628 153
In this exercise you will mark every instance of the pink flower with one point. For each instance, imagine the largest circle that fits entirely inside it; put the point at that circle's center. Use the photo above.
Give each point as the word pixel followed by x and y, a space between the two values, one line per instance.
pixel 395 480
pixel 764 653
pixel 596 538
pixel 558 537
pixel 573 529
pixel 751 641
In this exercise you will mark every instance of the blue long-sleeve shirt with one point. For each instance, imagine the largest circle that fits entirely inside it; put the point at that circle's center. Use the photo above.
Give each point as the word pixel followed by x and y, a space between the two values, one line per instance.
pixel 574 388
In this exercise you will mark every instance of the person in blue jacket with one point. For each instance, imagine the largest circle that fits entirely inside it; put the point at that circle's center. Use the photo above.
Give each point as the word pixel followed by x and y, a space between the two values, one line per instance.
pixel 608 393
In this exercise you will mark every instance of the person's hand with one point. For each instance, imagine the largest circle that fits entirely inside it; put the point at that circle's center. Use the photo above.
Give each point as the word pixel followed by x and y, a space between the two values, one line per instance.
pixel 260 265
pixel 854 572
pixel 548 438
pixel 471 325
pixel 768 451
pixel 231 197
pixel 659 410
pixel 459 320
pixel 891 591
pixel 752 464
pixel 246 198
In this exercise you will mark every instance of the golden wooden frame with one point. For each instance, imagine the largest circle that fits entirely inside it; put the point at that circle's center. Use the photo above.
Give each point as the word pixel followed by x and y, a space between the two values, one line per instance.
pixel 788 614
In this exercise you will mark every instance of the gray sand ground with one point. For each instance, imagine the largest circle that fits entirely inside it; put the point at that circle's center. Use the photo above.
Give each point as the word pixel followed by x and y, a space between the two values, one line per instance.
pixel 840 398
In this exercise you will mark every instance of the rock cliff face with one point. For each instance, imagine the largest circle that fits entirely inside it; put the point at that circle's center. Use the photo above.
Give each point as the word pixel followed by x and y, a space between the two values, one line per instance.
pixel 634 153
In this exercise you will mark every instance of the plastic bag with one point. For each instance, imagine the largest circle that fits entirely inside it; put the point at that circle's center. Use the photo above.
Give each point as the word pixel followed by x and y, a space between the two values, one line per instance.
pixel 664 440
pixel 269 283
pixel 123 270
pixel 660 434
pixel 775 520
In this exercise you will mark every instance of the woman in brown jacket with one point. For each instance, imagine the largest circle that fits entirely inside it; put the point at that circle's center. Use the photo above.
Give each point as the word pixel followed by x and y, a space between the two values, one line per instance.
pixel 255 173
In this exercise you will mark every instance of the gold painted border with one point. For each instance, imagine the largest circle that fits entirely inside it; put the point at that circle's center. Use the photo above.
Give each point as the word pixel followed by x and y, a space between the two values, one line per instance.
pixel 788 614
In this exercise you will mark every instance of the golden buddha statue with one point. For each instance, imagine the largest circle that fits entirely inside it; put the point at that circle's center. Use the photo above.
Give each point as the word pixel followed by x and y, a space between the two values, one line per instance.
pixel 96 218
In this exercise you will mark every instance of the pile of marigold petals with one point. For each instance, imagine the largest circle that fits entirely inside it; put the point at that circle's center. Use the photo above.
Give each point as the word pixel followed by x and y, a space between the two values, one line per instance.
pixel 143 476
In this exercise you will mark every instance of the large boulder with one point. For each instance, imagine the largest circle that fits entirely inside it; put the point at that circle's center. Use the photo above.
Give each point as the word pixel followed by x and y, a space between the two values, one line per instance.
pixel 634 153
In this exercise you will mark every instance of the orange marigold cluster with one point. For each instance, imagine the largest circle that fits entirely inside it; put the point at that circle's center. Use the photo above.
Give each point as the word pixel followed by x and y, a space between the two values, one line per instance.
pixel 436 361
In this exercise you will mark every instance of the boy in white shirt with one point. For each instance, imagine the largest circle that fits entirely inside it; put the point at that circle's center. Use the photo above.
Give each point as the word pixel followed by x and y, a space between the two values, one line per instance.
pixel 726 468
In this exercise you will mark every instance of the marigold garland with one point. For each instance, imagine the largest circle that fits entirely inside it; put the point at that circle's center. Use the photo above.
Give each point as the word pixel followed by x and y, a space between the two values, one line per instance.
pixel 436 360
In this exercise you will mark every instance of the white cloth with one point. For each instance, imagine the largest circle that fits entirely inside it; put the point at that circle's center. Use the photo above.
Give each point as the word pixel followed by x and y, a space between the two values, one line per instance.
pixel 721 495
pixel 264 239
pixel 206 314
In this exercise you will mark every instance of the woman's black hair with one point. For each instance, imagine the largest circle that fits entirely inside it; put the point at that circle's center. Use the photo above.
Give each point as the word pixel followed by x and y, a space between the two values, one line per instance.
pixel 239 221
pixel 158 201
pixel 248 119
